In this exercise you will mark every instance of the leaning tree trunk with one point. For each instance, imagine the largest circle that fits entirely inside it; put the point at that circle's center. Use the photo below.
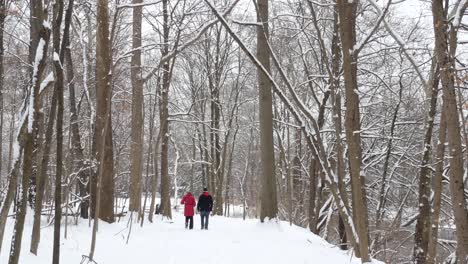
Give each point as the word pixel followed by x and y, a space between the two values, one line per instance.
pixel 8 200
pixel 42 175
pixel 31 112
pixel 347 16
pixel 446 45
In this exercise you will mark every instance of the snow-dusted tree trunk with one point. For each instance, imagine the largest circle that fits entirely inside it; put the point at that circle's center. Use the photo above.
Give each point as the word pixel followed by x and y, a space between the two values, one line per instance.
pixel 137 111
pixel 34 31
pixel 8 199
pixel 445 49
pixel 437 188
pixel 423 224
pixel 80 164
pixel 337 122
pixel 347 15
pixel 42 175
pixel 28 130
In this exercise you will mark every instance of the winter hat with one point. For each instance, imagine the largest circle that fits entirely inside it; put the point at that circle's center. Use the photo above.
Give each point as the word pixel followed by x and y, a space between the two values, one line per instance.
pixel 205 189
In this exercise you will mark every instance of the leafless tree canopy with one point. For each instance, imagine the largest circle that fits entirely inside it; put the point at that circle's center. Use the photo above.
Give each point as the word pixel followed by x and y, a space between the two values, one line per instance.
pixel 345 117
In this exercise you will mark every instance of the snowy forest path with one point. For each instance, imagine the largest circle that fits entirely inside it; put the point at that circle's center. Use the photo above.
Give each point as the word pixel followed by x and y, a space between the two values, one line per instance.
pixel 228 241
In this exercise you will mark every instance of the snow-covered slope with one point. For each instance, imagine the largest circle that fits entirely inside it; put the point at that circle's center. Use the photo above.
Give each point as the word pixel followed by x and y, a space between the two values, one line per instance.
pixel 228 241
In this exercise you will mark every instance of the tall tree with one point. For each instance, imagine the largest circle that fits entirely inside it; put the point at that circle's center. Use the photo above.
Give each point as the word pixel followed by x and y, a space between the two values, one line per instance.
pixel 58 72
pixel 437 188
pixel 137 110
pixel 164 118
pixel 30 127
pixel 269 204
pixel 423 224
pixel 80 164
pixel 446 38
pixel 103 128
pixel 337 114
pixel 2 27
pixel 347 15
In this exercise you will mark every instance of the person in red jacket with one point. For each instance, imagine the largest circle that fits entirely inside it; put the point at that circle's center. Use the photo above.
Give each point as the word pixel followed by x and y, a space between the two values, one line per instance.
pixel 189 203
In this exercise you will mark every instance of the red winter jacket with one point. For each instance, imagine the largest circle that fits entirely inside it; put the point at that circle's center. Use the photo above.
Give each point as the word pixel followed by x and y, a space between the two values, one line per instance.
pixel 189 202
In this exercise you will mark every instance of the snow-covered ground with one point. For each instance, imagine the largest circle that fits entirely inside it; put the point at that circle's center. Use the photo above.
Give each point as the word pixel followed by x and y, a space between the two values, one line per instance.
pixel 228 241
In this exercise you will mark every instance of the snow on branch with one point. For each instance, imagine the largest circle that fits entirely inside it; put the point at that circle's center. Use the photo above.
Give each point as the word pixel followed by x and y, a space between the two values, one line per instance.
pixel 399 41
pixel 457 12
pixel 189 42
pixel 317 149
pixel 361 44
pixel 246 23
pixel 46 82
pixel 138 5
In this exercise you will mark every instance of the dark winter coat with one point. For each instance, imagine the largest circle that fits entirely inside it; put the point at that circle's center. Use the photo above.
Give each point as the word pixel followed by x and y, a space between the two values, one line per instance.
pixel 205 202
pixel 189 203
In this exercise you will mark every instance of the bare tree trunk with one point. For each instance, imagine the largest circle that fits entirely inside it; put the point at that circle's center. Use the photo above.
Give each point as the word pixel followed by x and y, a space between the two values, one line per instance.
pixel 34 31
pixel 214 129
pixel 137 112
pixel 30 130
pixel 337 117
pixel 59 76
pixel 104 116
pixel 437 188
pixel 380 212
pixel 104 188
pixel 164 122
pixel 269 204
pixel 149 159
pixel 446 45
pixel 43 176
pixel 13 177
pixel 11 191
pixel 2 26
pixel 222 167
pixel 58 71
pixel 347 16
pixel 423 224
pixel 228 174
pixel 154 180
pixel 80 164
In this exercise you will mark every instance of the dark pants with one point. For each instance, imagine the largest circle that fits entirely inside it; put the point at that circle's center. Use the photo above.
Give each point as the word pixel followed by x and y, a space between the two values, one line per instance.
pixel 187 220
pixel 204 215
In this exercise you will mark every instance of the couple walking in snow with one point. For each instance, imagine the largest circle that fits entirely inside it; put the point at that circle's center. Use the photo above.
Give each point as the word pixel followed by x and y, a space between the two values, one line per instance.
pixel 204 206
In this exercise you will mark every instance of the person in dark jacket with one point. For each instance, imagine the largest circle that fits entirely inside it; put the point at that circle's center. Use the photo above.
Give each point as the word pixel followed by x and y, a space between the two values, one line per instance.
pixel 205 205
pixel 189 203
